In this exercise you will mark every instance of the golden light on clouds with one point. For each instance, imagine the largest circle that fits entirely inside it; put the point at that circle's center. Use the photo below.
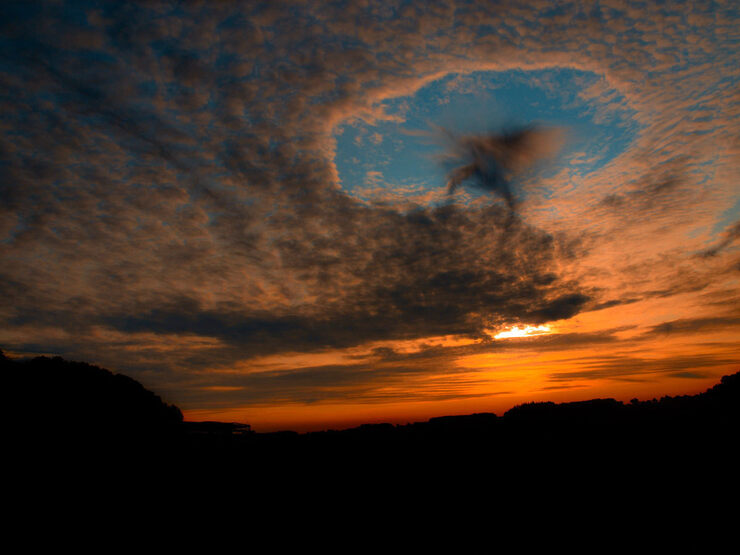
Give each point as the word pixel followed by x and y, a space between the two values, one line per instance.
pixel 253 218
pixel 524 331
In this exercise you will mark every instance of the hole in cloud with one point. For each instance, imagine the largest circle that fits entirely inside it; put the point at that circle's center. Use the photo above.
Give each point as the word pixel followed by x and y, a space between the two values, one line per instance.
pixel 401 160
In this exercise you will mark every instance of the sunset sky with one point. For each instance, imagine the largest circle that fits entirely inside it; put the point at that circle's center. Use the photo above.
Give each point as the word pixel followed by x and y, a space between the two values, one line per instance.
pixel 306 215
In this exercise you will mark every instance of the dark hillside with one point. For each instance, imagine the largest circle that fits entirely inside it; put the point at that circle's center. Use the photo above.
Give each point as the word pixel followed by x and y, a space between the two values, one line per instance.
pixel 50 400
pixel 57 399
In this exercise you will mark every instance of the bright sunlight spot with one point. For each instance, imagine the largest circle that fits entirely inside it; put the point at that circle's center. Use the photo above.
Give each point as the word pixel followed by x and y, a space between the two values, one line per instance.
pixel 524 331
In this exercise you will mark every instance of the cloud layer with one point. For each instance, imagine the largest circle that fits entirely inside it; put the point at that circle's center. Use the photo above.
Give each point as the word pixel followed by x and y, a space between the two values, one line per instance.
pixel 169 204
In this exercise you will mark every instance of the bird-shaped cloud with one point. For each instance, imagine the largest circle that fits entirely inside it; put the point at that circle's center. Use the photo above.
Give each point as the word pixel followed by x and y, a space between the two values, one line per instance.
pixel 492 161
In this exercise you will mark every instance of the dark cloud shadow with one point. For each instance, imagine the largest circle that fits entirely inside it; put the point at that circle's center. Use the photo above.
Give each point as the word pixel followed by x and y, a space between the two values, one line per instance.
pixel 493 162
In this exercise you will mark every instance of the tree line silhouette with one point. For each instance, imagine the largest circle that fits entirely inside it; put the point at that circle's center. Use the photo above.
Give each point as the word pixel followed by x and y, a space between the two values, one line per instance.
pixel 54 402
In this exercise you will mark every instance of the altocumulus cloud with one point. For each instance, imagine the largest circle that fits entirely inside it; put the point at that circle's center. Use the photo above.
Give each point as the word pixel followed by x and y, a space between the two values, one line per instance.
pixel 166 172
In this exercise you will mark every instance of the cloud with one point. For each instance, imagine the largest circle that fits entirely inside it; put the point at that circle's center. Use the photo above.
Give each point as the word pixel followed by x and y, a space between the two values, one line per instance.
pixel 731 235
pixel 696 325
pixel 655 191
pixel 167 186
pixel 641 368
pixel 492 162
pixel 437 274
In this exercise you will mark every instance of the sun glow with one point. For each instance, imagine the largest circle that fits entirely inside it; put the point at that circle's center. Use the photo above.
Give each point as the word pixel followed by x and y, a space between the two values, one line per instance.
pixel 524 331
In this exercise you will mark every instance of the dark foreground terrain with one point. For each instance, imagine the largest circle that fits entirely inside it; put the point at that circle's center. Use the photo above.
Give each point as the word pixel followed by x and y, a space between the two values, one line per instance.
pixel 68 408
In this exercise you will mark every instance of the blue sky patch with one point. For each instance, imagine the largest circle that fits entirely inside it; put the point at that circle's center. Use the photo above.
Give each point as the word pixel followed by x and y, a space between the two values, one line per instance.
pixel 404 156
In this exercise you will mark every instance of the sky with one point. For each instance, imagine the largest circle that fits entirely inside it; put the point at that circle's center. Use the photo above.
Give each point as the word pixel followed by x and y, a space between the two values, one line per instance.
pixel 308 215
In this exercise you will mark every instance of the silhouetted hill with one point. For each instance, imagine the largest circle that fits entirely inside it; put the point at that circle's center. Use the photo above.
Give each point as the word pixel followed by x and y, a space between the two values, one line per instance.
pixel 60 400
pixel 50 398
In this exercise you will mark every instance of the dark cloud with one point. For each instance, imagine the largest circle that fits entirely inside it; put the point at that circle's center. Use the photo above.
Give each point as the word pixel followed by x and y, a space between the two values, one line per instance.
pixel 731 235
pixel 612 303
pixel 661 189
pixel 696 325
pixel 492 162
pixel 691 375
pixel 636 368
pixel 406 275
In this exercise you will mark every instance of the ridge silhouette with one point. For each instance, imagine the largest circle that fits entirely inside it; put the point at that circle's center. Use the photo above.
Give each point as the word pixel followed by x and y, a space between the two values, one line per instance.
pixel 56 403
